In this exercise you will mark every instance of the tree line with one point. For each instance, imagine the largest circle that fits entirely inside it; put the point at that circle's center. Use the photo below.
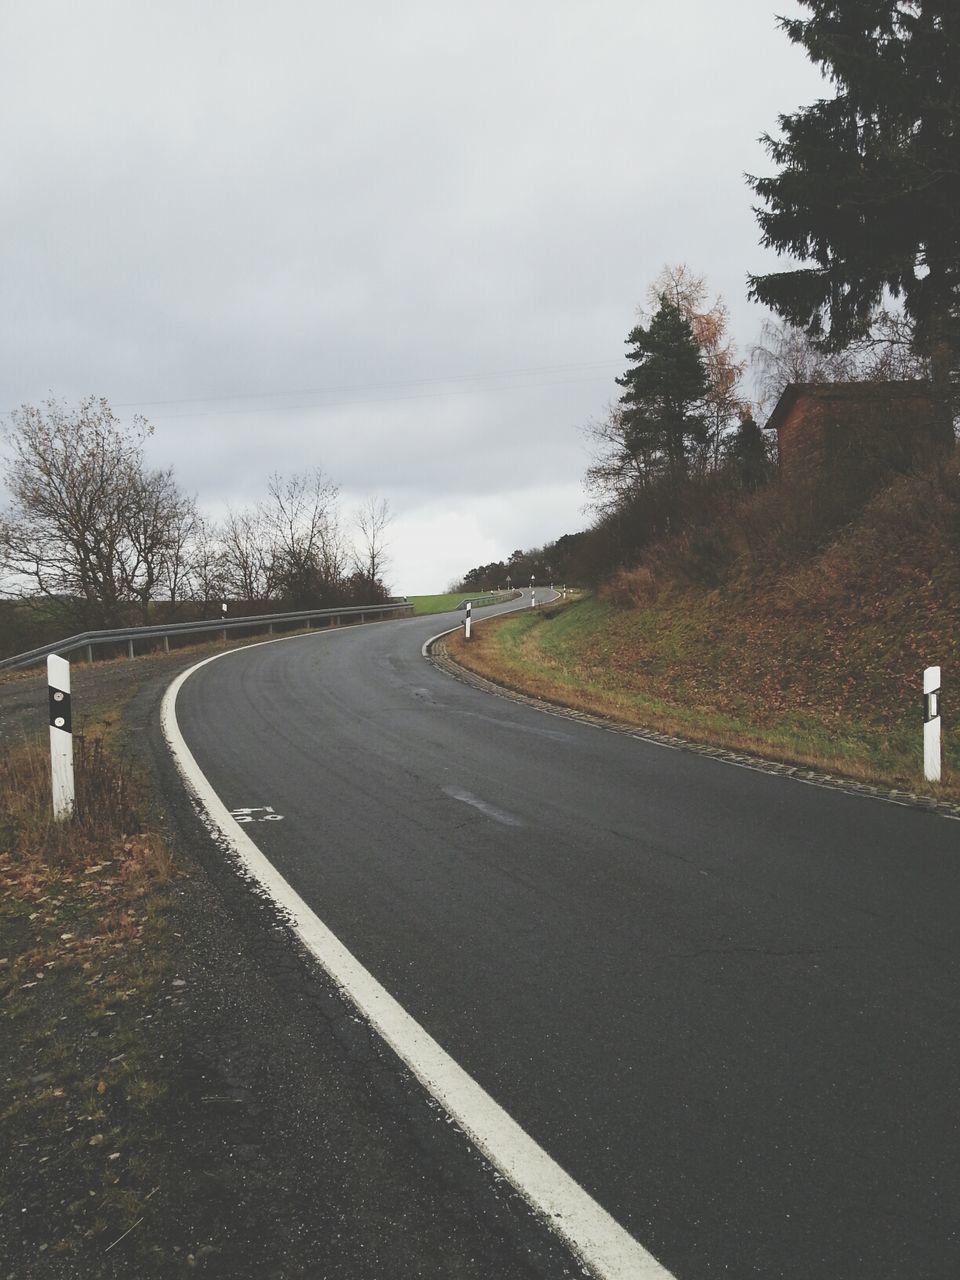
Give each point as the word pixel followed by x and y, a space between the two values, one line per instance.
pixel 866 202
pixel 95 538
pixel 554 563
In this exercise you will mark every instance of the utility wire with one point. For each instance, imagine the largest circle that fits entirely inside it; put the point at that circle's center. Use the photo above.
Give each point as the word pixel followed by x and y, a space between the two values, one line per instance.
pixel 371 400
pixel 478 381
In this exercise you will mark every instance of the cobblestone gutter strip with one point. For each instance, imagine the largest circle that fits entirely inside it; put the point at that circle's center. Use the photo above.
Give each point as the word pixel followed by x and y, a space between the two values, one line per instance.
pixel 440 657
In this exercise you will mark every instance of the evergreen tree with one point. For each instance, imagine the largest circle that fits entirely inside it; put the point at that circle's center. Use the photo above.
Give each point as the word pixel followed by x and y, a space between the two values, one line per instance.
pixel 748 454
pixel 662 416
pixel 868 193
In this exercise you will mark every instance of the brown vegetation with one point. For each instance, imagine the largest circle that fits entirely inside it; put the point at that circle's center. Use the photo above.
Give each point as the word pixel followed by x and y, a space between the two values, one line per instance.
pixel 82 907
pixel 796 622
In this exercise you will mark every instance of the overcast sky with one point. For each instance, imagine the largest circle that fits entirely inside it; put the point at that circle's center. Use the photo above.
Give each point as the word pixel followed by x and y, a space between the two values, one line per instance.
pixel 402 241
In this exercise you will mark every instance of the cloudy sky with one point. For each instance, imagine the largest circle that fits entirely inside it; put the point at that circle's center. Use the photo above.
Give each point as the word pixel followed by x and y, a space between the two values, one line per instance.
pixel 403 241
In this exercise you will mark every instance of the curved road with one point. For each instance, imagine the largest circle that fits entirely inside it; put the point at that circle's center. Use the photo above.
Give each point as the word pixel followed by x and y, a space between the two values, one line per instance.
pixel 723 1001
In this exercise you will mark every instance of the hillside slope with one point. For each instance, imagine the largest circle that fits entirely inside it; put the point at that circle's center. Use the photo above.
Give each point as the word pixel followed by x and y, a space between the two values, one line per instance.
pixel 803 644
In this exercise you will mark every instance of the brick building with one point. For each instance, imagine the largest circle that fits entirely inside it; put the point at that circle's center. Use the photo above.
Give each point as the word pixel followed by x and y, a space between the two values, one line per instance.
pixel 873 426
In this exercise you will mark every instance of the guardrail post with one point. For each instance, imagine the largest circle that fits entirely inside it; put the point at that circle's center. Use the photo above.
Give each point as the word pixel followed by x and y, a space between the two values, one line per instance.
pixel 931 724
pixel 61 737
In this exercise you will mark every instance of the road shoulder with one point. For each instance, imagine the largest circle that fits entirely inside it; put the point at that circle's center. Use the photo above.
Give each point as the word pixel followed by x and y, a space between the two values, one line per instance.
pixel 289 1140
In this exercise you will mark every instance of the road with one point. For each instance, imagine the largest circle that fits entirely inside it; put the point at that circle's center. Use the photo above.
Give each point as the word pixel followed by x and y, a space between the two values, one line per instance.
pixel 724 1002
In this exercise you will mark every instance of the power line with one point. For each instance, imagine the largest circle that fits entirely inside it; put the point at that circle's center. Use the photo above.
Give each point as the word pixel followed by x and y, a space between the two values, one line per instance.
pixel 361 390
pixel 373 400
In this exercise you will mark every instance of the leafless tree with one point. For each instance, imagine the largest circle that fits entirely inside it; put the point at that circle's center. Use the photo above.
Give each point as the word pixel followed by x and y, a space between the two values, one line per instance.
pixel 206 570
pixel 249 564
pixel 301 516
pixel 621 467
pixel 334 554
pixel 889 352
pixel 370 557
pixel 87 523
pixel 179 563
pixel 153 527
pixel 785 354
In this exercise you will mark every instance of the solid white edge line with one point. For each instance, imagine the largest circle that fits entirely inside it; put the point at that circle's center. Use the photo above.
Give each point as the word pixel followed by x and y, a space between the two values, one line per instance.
pixel 603 1246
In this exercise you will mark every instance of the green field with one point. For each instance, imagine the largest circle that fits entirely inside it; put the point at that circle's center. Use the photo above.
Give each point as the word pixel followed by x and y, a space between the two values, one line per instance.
pixel 442 604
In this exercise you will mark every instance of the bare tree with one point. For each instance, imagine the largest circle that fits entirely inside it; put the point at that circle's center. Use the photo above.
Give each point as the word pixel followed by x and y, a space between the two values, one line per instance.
pixel 183 528
pixel 370 558
pixel 249 564
pixel 334 555
pixel 785 354
pixel 623 464
pixel 301 515
pixel 206 569
pixel 86 525
pixel 890 352
pixel 155 513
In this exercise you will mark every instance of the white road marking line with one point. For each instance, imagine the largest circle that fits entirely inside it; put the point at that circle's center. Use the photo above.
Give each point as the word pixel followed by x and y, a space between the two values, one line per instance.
pixel 488 810
pixel 608 1250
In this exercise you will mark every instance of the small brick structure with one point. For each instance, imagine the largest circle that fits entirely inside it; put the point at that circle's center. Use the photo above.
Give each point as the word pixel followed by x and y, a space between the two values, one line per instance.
pixel 868 426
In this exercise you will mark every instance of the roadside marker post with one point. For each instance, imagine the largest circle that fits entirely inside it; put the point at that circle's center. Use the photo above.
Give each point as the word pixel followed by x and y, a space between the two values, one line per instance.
pixel 932 754
pixel 466 623
pixel 61 737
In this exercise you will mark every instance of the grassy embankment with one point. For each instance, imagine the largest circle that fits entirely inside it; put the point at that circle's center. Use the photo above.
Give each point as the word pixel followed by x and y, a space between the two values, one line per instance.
pixel 816 660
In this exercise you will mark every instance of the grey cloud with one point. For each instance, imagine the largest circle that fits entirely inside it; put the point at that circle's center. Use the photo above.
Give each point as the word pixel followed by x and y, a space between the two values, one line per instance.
pixel 234 198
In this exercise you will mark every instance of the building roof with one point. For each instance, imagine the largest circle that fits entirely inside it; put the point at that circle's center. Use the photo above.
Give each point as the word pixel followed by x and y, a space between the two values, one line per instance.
pixel 850 392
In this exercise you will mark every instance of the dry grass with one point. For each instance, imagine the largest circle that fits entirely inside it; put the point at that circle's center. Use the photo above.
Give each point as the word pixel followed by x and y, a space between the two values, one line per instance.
pixel 104 807
pixel 82 919
pixel 714 672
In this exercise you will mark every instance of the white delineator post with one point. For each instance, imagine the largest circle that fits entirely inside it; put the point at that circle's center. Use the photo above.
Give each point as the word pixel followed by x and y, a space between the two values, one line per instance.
pixel 466 624
pixel 61 737
pixel 931 724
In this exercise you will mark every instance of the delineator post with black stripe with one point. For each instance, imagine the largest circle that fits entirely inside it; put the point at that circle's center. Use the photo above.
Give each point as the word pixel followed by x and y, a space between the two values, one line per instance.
pixel 931 724
pixel 61 737
pixel 466 624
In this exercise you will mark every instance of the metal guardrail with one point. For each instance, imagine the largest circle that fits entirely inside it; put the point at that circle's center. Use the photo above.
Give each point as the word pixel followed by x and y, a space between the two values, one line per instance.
pixel 489 597
pixel 130 635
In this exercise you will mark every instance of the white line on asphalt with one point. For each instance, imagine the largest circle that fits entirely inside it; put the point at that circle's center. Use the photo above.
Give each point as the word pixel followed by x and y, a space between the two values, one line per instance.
pixel 609 1251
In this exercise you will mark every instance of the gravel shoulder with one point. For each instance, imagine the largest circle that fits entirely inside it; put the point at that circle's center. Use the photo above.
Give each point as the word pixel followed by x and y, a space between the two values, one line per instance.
pixel 283 1139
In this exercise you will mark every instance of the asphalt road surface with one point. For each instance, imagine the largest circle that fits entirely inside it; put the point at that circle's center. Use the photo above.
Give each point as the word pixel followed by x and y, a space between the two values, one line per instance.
pixel 723 1001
